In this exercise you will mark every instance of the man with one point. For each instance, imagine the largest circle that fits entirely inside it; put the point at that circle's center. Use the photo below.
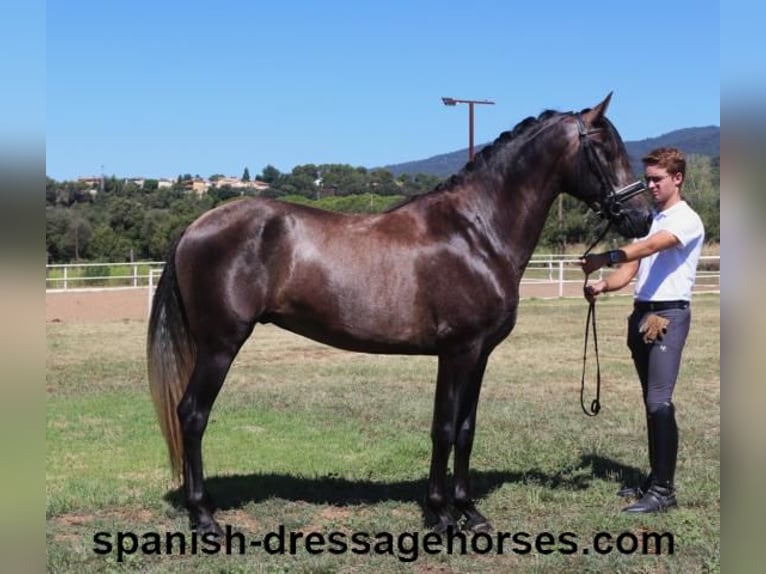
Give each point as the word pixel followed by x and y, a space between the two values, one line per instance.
pixel 665 265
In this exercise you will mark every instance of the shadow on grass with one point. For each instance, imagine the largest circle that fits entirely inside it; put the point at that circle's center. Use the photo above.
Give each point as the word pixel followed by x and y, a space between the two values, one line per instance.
pixel 231 492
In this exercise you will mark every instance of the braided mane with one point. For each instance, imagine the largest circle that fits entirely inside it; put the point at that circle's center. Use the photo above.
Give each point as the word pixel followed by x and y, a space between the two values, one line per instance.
pixel 507 140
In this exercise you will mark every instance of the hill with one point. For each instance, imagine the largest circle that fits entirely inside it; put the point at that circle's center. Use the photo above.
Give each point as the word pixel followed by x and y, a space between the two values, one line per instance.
pixel 692 141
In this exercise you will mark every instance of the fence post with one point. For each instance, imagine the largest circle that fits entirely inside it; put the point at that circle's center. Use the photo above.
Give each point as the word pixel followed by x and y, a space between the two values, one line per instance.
pixel 561 277
pixel 550 268
pixel 151 293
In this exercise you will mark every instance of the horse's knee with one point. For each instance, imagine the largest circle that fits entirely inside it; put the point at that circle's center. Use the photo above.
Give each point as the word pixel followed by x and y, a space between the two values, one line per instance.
pixel 464 437
pixel 443 435
pixel 437 500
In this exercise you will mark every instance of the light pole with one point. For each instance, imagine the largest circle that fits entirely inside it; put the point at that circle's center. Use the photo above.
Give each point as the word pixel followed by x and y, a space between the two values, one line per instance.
pixel 455 101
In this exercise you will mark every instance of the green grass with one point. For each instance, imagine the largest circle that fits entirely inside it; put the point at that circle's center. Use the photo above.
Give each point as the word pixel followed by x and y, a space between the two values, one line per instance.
pixel 319 440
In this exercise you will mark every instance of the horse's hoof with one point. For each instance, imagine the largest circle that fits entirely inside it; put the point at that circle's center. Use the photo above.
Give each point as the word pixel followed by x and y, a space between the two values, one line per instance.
pixel 445 526
pixel 477 524
pixel 441 522
pixel 209 527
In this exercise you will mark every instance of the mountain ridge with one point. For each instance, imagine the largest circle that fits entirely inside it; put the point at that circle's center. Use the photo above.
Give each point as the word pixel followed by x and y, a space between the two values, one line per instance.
pixel 704 141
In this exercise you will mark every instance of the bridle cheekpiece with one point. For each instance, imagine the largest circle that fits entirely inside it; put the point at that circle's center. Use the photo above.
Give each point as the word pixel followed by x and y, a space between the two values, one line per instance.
pixel 611 204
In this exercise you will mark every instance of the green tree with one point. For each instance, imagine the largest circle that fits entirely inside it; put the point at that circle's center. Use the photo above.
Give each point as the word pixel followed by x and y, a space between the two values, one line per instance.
pixel 109 245
pixel 702 190
pixel 246 174
pixel 270 175
pixel 67 234
pixel 416 184
pixel 223 193
pixel 382 182
pixel 51 191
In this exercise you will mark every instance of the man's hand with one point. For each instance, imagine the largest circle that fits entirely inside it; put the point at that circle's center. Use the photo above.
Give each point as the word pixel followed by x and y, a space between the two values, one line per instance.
pixel 594 290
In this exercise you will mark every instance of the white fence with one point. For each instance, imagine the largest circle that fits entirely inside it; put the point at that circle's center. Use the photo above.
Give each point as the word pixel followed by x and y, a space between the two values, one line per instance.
pixel 67 277
pixel 558 270
pixel 564 270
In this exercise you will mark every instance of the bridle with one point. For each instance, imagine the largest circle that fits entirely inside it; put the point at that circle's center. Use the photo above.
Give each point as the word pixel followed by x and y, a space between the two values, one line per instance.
pixel 610 208
pixel 611 205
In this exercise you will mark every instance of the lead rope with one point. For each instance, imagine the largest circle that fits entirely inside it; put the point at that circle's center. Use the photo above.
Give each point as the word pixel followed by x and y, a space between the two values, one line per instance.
pixel 590 322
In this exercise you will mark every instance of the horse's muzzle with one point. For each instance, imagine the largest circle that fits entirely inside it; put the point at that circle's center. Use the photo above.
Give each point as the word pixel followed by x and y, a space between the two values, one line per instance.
pixel 633 222
pixel 630 221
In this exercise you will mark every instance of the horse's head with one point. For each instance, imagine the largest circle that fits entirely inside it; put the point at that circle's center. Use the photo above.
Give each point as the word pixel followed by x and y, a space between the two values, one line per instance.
pixel 603 177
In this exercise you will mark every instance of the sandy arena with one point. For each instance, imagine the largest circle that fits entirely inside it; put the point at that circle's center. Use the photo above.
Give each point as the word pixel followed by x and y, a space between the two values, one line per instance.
pixel 133 303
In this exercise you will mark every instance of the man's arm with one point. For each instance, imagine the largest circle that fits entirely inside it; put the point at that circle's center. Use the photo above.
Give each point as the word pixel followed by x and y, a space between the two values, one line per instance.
pixel 616 280
pixel 631 252
pixel 629 257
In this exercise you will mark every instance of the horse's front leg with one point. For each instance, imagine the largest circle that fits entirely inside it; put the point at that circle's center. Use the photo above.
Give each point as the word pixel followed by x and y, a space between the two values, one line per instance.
pixel 466 427
pixel 455 372
pixel 438 504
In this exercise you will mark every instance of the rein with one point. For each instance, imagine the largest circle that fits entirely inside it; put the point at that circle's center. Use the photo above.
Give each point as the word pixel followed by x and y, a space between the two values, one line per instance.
pixel 590 319
pixel 590 323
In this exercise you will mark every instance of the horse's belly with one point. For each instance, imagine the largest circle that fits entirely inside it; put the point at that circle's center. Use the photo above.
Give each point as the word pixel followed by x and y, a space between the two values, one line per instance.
pixel 357 336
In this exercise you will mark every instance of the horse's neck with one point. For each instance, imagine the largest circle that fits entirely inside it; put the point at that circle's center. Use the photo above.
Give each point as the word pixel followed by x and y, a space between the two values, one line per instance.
pixel 524 220
pixel 506 203
pixel 520 200
pixel 518 209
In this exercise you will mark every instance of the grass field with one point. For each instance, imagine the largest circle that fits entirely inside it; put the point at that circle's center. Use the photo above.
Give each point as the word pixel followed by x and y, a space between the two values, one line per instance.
pixel 320 440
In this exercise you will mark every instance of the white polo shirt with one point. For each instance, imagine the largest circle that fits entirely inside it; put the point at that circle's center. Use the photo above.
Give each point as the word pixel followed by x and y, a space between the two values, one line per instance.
pixel 669 274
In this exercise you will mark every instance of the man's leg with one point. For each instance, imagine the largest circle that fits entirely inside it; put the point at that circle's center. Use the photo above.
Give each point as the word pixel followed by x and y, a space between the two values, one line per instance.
pixel 640 353
pixel 663 366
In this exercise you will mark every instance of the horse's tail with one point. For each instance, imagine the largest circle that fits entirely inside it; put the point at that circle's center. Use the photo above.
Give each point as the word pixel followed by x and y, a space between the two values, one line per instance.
pixel 171 354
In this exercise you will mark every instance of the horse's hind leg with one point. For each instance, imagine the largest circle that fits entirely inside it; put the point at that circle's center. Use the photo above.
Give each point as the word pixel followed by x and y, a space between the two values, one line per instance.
pixel 193 413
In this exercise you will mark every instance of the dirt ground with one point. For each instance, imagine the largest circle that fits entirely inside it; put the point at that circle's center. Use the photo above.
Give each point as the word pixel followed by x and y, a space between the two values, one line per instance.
pixel 96 305
pixel 84 306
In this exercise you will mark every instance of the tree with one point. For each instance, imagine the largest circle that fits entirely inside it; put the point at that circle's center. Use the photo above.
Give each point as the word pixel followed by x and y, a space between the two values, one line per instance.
pixel 246 174
pixel 51 189
pixel 702 190
pixel 382 182
pixel 270 175
pixel 108 245
pixel 223 193
pixel 67 234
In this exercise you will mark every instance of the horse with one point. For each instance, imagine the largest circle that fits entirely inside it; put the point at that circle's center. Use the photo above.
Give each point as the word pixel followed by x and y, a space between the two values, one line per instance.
pixel 436 275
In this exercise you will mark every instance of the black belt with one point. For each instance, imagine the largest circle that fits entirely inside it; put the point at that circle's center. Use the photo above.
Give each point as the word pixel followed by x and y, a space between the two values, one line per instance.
pixel 660 305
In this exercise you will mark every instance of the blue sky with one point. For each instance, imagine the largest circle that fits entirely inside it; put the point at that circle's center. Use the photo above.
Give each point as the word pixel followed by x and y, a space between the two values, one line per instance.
pixel 157 89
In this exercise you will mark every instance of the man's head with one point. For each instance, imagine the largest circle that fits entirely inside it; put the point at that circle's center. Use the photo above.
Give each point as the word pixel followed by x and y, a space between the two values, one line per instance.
pixel 664 171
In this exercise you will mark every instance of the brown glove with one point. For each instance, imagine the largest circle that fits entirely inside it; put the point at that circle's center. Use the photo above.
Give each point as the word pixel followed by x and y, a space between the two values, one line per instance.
pixel 653 327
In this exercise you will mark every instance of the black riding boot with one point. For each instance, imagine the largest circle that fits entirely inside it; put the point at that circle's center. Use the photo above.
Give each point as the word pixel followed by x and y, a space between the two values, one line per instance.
pixel 660 494
pixel 639 491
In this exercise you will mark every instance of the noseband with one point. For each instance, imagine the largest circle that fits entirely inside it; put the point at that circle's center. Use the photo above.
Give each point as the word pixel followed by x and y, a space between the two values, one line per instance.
pixel 611 204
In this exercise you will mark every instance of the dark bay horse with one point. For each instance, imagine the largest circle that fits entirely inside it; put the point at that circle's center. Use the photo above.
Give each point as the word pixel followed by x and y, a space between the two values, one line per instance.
pixel 437 275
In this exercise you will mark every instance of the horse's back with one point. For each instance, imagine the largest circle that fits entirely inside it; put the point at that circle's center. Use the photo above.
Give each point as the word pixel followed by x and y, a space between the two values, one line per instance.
pixel 261 259
pixel 377 283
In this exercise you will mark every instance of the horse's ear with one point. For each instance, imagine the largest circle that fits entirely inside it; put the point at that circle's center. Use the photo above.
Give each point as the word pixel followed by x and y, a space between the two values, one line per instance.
pixel 599 111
